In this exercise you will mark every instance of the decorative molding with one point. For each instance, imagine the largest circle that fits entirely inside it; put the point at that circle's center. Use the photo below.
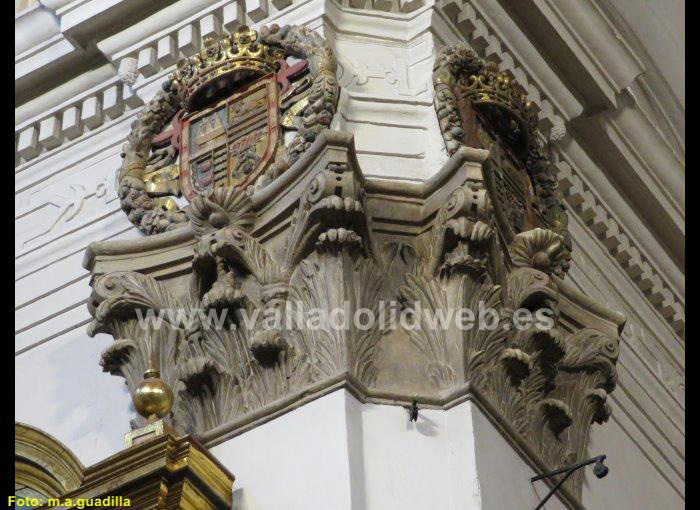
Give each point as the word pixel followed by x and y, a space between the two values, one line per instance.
pixel 74 120
pixel 43 464
pixel 128 71
pixel 604 61
pixel 66 207
pixel 152 57
pixel 640 271
pixel 394 6
pixel 173 473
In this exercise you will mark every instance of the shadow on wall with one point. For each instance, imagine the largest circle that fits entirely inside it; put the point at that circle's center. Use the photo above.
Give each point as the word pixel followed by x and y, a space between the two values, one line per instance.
pixel 512 487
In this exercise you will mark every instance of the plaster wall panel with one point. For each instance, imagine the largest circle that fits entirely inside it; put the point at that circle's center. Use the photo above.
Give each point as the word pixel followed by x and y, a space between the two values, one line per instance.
pixel 59 301
pixel 504 478
pixel 649 402
pixel 66 197
pixel 105 227
pixel 648 337
pixel 387 99
pixel 450 460
pixel 56 210
pixel 422 464
pixel 75 317
pixel 46 288
pixel 39 283
pixel 298 461
pixel 60 389
pixel 633 482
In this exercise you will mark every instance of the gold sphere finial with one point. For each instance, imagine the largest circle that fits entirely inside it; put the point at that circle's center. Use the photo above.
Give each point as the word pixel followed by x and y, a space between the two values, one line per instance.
pixel 152 398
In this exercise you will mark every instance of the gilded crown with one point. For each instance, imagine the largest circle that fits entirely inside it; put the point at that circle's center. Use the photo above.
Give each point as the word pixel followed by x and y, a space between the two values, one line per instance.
pixel 496 91
pixel 224 63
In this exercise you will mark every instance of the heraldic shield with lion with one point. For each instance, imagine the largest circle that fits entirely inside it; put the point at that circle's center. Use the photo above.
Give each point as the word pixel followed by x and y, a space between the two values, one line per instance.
pixel 221 120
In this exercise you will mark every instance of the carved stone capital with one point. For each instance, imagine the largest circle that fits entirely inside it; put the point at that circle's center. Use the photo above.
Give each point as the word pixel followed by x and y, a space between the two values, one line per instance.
pixel 275 291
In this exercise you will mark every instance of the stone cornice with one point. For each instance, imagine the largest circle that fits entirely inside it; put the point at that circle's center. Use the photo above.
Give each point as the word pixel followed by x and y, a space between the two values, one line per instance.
pixel 415 203
pixel 147 31
pixel 67 47
pixel 623 245
pixel 33 26
pixel 63 96
pixel 659 84
pixel 526 56
pixel 155 50
pixel 599 65
pixel 393 6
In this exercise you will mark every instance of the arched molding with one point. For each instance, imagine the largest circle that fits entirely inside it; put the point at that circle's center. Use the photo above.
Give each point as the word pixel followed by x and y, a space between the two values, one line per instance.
pixel 43 463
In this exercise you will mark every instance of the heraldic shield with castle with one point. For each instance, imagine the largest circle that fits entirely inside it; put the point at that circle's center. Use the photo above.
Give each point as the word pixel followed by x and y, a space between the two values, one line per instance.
pixel 221 119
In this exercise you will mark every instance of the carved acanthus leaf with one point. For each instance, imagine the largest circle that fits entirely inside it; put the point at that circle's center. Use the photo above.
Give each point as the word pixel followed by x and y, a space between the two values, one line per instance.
pixel 119 295
pixel 426 298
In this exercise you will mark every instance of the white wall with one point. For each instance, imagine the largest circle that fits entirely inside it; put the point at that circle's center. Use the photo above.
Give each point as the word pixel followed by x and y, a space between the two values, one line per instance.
pixel 634 482
pixel 339 453
pixel 298 461
pixel 426 464
pixel 60 388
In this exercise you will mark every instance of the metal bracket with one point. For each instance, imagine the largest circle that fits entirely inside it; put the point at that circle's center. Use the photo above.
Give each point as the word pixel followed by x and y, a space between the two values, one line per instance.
pixel 413 411
pixel 600 470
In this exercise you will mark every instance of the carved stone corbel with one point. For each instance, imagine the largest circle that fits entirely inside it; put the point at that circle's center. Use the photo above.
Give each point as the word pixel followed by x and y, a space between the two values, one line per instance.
pixel 333 199
pixel 461 232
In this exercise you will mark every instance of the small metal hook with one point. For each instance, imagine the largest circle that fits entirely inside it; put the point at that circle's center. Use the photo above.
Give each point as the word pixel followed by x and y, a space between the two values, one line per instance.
pixel 413 410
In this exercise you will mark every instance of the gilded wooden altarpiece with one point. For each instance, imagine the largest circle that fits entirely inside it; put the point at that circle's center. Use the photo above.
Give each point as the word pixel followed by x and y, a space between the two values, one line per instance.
pixel 275 210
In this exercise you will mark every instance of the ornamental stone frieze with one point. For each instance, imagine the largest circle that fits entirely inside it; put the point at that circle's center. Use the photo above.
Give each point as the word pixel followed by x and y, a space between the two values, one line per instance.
pixel 253 207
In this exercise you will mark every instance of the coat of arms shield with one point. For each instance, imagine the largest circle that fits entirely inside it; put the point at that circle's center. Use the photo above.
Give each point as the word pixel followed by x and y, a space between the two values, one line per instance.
pixel 233 141
pixel 222 118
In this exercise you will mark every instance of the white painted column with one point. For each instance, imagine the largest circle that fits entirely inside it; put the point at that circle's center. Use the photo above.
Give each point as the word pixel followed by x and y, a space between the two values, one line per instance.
pixel 338 453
